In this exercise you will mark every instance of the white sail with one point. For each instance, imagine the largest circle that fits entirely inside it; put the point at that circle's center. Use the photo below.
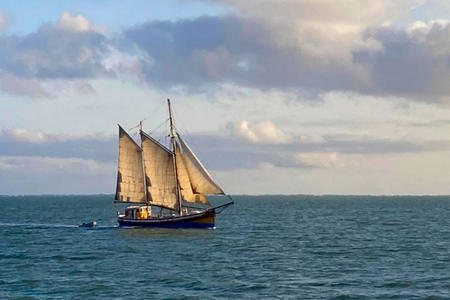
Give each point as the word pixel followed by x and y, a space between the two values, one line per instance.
pixel 185 183
pixel 159 171
pixel 130 175
pixel 200 180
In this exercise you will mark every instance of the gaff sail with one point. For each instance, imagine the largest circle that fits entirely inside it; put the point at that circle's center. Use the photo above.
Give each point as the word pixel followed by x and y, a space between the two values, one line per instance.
pixel 159 173
pixel 130 176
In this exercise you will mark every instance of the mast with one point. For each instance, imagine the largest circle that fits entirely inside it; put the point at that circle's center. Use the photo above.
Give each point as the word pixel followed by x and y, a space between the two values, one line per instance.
pixel 172 140
pixel 143 169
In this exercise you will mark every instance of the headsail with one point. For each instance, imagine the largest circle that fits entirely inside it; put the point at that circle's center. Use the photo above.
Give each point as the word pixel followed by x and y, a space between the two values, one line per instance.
pixel 159 173
pixel 185 183
pixel 200 180
pixel 130 175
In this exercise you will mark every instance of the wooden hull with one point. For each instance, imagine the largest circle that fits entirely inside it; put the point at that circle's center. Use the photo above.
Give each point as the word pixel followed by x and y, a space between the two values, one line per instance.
pixel 199 220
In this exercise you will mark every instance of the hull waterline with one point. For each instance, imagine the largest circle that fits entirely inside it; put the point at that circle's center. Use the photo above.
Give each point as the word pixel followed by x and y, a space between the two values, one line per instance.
pixel 200 220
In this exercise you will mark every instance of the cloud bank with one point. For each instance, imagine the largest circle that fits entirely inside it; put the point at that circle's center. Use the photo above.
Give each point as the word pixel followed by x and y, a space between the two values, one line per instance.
pixel 315 48
pixel 298 96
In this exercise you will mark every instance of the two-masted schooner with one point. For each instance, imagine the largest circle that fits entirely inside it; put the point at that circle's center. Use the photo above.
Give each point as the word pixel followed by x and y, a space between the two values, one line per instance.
pixel 168 187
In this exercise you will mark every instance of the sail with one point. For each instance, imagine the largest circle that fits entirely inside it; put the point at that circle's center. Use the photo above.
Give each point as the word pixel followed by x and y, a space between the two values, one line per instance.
pixel 130 175
pixel 200 180
pixel 185 183
pixel 159 173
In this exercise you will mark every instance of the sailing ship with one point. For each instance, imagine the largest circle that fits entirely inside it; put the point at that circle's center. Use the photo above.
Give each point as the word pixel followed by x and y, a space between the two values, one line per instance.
pixel 167 186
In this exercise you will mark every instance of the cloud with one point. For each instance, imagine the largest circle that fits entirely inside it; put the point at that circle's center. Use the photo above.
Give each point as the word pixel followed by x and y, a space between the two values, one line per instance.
pixel 4 20
pixel 230 153
pixel 52 164
pixel 326 30
pixel 321 160
pixel 232 49
pixel 309 47
pixel 22 134
pixel 264 132
pixel 55 58
pixel 23 142
pixel 123 64
pixel 218 151
pixel 372 59
pixel 365 174
pixel 55 51
pixel 77 23
pixel 412 62
pixel 351 11
pixel 15 85
pixel 49 175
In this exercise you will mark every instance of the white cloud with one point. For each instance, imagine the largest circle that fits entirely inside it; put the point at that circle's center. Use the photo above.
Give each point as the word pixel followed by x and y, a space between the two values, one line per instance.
pixel 122 63
pixel 322 160
pixel 262 132
pixel 347 117
pixel 77 23
pixel 421 27
pixel 324 28
pixel 4 20
pixel 311 138
pixel 298 118
pixel 22 134
pixel 414 173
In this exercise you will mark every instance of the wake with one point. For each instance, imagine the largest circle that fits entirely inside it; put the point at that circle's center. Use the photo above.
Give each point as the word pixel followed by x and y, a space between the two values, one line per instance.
pixel 53 226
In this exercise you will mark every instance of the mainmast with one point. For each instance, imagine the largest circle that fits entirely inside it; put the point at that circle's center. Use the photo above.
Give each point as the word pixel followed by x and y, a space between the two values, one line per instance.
pixel 143 170
pixel 174 148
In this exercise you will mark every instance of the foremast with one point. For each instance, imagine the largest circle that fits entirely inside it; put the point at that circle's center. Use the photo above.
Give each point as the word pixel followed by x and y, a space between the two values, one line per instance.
pixel 174 155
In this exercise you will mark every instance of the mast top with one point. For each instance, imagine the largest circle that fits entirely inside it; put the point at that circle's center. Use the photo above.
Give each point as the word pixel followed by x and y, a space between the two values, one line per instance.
pixel 172 135
pixel 174 156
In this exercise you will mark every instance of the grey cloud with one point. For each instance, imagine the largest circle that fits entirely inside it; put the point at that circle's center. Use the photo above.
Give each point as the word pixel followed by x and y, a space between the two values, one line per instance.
pixel 22 86
pixel 84 148
pixel 40 175
pixel 436 124
pixel 227 153
pixel 229 49
pixel 414 64
pixel 204 51
pixel 216 152
pixel 52 52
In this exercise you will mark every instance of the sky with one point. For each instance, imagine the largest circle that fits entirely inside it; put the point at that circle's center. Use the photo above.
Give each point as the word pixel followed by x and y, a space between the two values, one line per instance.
pixel 275 96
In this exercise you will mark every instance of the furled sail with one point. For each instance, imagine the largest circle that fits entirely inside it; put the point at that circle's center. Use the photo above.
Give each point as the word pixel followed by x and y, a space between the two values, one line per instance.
pixel 130 175
pixel 159 173
pixel 200 180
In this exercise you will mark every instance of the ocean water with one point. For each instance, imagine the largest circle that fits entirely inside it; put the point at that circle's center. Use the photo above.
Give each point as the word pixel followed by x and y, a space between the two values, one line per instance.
pixel 264 247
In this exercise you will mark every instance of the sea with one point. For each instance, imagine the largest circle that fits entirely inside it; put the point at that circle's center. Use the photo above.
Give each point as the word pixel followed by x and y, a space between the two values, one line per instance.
pixel 263 247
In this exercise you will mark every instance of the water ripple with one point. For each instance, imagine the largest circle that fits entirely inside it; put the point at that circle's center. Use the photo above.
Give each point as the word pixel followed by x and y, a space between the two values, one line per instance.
pixel 269 247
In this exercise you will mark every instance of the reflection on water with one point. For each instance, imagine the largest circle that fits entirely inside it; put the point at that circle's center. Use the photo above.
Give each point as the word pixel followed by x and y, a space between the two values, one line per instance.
pixel 134 232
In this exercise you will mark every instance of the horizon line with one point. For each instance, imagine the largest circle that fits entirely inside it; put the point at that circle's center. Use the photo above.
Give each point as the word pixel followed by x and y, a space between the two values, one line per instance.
pixel 248 195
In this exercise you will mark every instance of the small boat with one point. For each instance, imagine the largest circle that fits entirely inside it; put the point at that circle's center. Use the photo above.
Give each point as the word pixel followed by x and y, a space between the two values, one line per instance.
pixel 88 224
pixel 167 186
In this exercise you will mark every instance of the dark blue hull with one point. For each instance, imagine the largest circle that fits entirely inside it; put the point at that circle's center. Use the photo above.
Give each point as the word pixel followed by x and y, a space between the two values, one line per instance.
pixel 201 220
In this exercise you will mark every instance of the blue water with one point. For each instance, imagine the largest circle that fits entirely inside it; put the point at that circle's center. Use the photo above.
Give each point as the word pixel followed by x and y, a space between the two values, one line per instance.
pixel 270 247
